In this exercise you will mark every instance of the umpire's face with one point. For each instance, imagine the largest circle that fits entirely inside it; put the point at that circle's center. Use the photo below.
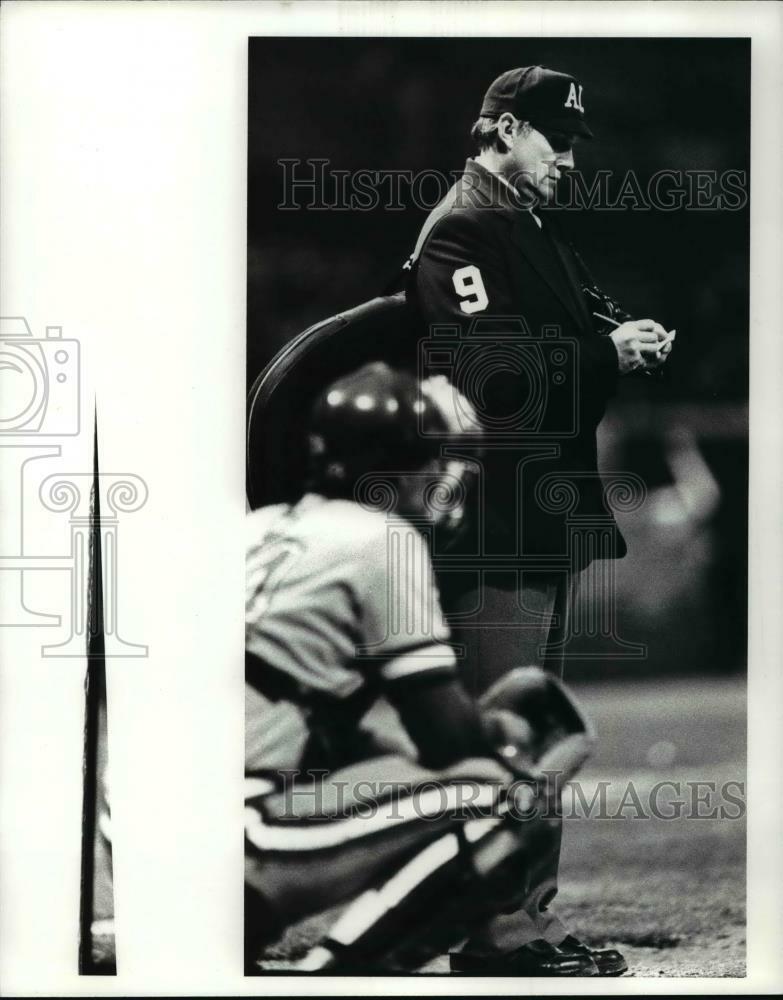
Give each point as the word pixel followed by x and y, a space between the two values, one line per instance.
pixel 536 159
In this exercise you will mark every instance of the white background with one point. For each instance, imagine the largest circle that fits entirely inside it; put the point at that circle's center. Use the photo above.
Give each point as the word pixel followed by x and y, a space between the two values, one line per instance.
pixel 123 135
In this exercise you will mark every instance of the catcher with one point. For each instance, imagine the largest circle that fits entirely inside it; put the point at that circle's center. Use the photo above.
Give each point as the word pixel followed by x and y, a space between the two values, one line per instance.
pixel 401 819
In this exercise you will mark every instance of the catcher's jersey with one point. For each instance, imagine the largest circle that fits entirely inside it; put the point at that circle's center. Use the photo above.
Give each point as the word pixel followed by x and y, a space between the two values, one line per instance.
pixel 339 596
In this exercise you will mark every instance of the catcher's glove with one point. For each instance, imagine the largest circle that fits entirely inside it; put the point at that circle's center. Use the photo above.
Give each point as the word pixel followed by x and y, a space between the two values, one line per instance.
pixel 536 724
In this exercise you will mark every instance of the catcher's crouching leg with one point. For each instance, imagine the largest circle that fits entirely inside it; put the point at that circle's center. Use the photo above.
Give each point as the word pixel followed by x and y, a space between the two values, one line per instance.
pixel 423 866
pixel 471 870
pixel 311 848
pixel 433 900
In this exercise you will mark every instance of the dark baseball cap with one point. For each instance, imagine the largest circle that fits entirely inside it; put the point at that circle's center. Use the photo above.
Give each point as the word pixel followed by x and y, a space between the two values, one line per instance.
pixel 543 97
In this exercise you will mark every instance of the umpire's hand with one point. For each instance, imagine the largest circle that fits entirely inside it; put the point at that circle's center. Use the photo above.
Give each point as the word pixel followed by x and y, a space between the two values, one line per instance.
pixel 641 343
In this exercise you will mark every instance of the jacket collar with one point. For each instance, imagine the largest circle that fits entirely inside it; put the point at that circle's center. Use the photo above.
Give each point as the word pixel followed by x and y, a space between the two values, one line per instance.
pixel 486 191
pixel 483 189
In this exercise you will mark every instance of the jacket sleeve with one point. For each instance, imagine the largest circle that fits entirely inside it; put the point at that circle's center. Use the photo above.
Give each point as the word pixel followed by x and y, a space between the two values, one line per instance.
pixel 603 306
pixel 461 274
pixel 462 279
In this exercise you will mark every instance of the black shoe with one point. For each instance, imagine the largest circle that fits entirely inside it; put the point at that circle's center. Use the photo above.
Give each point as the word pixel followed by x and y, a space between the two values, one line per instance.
pixel 539 958
pixel 609 961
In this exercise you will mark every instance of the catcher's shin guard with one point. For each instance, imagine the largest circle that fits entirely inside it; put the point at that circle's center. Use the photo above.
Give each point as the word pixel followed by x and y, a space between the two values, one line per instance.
pixel 430 903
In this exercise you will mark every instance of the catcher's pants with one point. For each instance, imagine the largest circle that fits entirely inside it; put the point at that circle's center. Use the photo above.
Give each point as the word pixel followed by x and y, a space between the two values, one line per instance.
pixel 309 848
pixel 511 627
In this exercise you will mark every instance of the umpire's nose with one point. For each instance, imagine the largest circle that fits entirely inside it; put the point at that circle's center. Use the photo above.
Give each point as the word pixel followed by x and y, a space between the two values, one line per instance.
pixel 565 160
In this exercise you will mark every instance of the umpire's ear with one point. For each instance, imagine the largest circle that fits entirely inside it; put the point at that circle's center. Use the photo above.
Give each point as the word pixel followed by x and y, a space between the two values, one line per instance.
pixel 507 124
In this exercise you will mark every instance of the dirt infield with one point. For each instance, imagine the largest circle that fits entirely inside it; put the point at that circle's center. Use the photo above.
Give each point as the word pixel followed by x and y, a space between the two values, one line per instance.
pixel 669 892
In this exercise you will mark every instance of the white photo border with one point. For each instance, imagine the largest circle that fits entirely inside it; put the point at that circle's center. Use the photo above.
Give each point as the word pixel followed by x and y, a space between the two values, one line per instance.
pixel 123 208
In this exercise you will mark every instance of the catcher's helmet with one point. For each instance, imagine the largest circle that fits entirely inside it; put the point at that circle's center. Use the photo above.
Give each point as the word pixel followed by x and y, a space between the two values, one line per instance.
pixel 376 419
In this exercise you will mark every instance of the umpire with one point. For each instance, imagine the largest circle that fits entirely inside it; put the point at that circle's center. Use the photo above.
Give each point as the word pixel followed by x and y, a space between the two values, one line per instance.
pixel 538 350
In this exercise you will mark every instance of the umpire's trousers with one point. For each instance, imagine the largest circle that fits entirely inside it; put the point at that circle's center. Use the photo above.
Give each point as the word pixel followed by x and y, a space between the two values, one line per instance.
pixel 517 626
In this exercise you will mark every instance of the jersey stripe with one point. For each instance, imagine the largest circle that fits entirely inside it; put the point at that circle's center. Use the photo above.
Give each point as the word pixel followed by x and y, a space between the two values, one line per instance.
pixel 433 657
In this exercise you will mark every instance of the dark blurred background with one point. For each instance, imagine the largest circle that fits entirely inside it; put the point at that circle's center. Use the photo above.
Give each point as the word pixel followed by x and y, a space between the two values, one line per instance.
pixel 654 104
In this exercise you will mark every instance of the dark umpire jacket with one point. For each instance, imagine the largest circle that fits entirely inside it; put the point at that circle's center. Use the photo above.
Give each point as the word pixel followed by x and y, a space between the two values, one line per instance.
pixel 502 305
